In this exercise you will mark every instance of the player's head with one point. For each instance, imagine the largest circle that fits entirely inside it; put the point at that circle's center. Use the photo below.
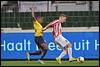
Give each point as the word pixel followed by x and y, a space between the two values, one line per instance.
pixel 40 18
pixel 62 18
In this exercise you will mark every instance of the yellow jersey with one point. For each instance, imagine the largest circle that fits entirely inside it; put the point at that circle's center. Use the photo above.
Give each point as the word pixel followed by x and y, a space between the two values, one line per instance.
pixel 38 28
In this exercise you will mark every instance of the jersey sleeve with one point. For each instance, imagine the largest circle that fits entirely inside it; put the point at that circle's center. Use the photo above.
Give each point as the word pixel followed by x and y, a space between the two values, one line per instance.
pixel 54 22
pixel 35 24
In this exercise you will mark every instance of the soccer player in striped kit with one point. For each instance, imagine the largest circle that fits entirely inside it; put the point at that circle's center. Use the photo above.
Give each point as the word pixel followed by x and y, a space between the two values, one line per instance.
pixel 63 42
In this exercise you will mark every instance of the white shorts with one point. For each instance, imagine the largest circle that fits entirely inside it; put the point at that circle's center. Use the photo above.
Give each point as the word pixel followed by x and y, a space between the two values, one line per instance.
pixel 61 40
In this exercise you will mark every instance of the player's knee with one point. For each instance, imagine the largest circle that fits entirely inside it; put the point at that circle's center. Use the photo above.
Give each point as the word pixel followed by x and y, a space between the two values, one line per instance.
pixel 44 45
pixel 65 49
pixel 69 45
pixel 44 50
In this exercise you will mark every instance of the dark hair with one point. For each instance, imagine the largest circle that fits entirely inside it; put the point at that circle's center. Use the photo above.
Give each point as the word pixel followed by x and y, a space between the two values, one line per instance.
pixel 39 17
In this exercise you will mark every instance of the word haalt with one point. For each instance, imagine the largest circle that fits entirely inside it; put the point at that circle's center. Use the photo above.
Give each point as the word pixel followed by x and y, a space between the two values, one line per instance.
pixel 19 46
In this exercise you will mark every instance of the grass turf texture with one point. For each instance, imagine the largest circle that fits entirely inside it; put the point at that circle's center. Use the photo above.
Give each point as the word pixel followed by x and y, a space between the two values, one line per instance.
pixel 49 63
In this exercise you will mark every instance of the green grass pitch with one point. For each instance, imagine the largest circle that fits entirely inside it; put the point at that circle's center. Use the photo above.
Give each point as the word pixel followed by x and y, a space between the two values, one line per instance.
pixel 49 63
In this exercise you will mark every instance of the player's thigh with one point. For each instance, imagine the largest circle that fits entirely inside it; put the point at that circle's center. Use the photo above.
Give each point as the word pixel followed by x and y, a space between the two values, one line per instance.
pixel 43 44
pixel 63 41
pixel 66 41
pixel 37 42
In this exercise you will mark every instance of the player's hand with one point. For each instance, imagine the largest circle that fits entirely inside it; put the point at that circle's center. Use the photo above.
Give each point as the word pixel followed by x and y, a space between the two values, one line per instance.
pixel 43 29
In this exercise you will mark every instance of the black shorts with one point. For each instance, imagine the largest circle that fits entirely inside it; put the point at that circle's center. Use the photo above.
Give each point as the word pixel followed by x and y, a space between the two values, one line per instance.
pixel 39 41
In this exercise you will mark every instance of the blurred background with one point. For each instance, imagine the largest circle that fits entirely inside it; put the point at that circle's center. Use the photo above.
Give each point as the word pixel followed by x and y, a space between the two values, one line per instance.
pixel 16 14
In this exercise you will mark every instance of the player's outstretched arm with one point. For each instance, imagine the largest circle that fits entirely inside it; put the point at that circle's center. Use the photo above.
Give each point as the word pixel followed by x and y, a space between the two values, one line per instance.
pixel 47 26
pixel 50 24
pixel 33 16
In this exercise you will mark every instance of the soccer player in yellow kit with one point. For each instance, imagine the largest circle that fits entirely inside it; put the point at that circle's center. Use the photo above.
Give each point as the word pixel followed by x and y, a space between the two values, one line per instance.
pixel 38 38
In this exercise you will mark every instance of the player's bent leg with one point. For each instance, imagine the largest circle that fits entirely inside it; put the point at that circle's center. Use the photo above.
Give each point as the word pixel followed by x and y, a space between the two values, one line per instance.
pixel 58 60
pixel 36 52
pixel 61 43
pixel 44 51
pixel 40 61
pixel 69 46
pixel 44 46
pixel 28 56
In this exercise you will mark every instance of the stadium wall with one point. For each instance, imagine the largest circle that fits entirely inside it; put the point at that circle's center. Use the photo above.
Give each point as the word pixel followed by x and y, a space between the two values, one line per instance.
pixel 43 7
pixel 75 19
pixel 15 44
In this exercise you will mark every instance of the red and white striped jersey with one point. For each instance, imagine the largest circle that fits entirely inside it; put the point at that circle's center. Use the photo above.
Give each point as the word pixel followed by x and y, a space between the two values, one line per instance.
pixel 57 29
